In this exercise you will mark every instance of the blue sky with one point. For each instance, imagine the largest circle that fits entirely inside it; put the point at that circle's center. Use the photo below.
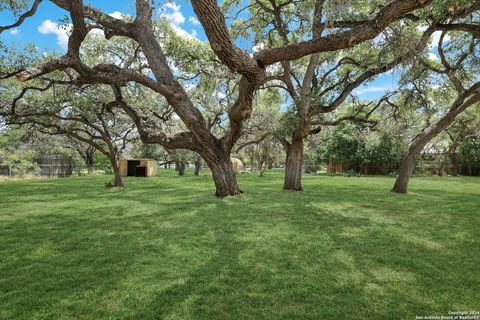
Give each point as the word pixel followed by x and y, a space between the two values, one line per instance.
pixel 43 31
pixel 40 29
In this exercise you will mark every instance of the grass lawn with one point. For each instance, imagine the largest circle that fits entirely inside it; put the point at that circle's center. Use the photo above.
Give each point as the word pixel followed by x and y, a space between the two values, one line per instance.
pixel 166 248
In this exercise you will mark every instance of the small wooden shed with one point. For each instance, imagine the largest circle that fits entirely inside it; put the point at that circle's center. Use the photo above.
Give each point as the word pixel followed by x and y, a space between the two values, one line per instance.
pixel 138 168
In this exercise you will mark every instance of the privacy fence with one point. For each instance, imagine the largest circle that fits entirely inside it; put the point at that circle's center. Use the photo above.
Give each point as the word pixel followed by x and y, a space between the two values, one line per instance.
pixel 52 166
pixel 423 167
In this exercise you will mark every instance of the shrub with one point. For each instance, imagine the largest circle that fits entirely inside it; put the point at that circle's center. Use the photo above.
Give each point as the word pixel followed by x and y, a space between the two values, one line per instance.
pixel 310 168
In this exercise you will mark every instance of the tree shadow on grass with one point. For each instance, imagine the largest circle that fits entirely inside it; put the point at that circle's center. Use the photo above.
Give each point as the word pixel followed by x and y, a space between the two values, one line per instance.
pixel 171 250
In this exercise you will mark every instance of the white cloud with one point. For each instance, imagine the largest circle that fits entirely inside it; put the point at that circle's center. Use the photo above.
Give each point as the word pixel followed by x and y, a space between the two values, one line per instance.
pixel 116 15
pixel 258 47
pixel 183 33
pixel 49 27
pixel 173 6
pixel 432 56
pixel 14 32
pixel 176 17
pixel 372 89
pixel 194 21
pixel 172 12
pixel 436 37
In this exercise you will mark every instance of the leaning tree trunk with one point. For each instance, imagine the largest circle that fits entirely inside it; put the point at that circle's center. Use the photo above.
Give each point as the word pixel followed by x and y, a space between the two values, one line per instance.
pixel 406 168
pixel 408 162
pixel 293 166
pixel 198 166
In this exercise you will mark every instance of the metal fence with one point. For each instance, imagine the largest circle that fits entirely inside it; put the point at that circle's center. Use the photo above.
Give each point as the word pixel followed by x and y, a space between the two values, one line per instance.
pixel 5 171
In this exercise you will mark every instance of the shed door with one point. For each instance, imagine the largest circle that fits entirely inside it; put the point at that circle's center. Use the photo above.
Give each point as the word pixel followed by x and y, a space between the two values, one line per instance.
pixel 132 168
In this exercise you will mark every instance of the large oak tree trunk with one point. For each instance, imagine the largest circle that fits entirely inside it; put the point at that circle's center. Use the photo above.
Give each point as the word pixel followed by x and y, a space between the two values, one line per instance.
pixel 293 166
pixel 223 176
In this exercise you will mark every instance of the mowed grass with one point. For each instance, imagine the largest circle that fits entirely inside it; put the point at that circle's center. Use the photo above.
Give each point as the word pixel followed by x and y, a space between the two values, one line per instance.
pixel 166 248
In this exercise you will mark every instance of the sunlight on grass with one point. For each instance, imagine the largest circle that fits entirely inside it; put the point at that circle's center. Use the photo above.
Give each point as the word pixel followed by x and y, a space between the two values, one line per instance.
pixel 167 248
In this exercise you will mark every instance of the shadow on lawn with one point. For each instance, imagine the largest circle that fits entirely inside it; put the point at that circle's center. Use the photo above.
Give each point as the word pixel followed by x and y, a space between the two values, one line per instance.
pixel 164 249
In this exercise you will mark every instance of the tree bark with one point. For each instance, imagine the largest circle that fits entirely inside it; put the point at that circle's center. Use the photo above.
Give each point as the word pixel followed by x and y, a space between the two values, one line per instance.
pixel 223 175
pixel 293 166
pixel 180 167
pixel 115 161
pixel 407 166
pixel 89 159
pixel 252 161
pixel 89 167
pixel 262 166
pixel 198 166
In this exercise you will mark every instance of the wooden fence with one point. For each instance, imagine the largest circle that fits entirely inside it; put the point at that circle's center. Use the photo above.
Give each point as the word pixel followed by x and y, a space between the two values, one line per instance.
pixel 334 168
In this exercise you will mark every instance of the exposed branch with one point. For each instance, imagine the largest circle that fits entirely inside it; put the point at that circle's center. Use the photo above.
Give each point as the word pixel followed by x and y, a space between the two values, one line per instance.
pixel 22 17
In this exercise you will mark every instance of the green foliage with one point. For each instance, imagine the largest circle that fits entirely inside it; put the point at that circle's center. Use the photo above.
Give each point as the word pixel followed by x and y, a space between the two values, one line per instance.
pixel 348 146
pixel 441 9
pixel 14 6
pixel 149 151
pixel 19 165
pixel 110 184
pixel 15 154
pixel 469 153
pixel 100 160
pixel 388 151
pixel 345 147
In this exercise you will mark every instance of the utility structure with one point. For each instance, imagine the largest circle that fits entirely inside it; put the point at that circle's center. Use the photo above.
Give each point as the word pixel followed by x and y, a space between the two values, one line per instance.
pixel 138 168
